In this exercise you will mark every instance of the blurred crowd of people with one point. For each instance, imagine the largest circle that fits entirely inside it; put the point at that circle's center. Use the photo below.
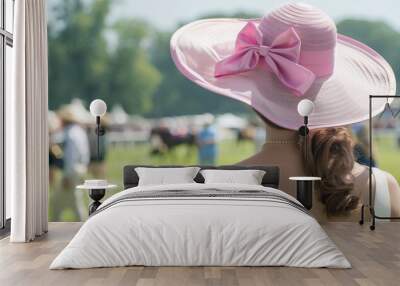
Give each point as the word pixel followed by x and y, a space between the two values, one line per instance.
pixel 204 137
pixel 73 151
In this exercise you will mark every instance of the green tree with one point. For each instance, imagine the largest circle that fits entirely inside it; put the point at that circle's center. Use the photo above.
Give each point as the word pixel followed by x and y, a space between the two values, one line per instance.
pixel 77 51
pixel 85 63
pixel 132 79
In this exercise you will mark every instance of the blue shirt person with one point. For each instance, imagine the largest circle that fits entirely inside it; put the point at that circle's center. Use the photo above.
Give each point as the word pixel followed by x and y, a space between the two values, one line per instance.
pixel 207 144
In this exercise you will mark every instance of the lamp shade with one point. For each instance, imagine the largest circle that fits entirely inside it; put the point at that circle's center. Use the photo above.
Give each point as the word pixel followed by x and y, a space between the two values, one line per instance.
pixel 305 107
pixel 98 107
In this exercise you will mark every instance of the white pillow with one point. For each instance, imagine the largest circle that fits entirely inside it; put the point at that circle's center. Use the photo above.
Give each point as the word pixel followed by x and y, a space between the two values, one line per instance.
pixel 247 177
pixel 163 176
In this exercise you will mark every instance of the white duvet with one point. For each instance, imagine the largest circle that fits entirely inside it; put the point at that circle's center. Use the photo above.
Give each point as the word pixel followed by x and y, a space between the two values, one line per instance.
pixel 200 231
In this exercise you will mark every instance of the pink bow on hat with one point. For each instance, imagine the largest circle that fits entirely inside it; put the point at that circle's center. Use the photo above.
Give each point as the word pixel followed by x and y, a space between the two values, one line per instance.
pixel 281 57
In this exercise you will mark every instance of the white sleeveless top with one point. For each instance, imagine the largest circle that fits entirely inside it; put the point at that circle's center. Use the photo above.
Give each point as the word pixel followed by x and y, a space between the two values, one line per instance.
pixel 382 196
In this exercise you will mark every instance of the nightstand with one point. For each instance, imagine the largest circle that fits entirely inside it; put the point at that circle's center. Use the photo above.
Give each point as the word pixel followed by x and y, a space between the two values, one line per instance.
pixel 305 189
pixel 96 193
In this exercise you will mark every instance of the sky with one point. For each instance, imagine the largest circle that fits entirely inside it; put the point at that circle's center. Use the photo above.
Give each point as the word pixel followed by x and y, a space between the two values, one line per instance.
pixel 165 14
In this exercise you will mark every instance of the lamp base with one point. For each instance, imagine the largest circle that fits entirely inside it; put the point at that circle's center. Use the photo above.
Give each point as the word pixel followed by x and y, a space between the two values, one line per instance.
pixel 305 193
pixel 96 195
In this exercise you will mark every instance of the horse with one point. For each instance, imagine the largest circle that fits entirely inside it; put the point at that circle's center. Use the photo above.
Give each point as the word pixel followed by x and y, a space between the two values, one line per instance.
pixel 162 140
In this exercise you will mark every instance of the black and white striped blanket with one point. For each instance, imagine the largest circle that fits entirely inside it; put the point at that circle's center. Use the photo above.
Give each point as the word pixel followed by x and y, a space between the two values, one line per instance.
pixel 205 194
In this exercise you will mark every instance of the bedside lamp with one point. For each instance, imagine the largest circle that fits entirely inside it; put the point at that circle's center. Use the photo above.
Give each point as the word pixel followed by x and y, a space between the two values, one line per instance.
pixel 98 108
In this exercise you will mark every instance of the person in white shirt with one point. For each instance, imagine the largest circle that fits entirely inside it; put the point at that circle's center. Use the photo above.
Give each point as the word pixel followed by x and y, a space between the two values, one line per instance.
pixel 76 150
pixel 75 164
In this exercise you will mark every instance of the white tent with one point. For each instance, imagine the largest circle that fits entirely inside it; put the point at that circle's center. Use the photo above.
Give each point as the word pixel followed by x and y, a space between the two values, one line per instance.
pixel 81 113
pixel 231 121
pixel 118 115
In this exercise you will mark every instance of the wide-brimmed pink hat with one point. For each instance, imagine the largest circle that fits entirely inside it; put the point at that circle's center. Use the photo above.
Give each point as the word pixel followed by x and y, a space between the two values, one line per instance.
pixel 290 54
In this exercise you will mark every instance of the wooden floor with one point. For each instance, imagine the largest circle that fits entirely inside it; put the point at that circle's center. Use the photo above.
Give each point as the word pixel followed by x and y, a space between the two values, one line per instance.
pixel 375 257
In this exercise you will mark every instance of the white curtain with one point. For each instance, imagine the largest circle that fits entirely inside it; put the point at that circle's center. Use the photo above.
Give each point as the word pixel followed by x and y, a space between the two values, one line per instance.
pixel 26 123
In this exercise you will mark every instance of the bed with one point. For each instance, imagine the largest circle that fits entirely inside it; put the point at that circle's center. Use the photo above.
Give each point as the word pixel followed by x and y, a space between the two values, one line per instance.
pixel 198 224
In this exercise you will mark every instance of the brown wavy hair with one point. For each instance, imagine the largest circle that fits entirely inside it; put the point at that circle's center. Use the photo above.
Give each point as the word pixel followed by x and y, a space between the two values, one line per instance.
pixel 330 156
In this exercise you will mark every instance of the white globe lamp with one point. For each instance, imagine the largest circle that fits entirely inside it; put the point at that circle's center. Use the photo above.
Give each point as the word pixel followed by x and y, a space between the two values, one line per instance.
pixel 305 108
pixel 98 108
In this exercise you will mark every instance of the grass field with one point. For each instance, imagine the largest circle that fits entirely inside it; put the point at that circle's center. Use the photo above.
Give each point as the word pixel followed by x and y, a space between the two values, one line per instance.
pixel 388 154
pixel 229 152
